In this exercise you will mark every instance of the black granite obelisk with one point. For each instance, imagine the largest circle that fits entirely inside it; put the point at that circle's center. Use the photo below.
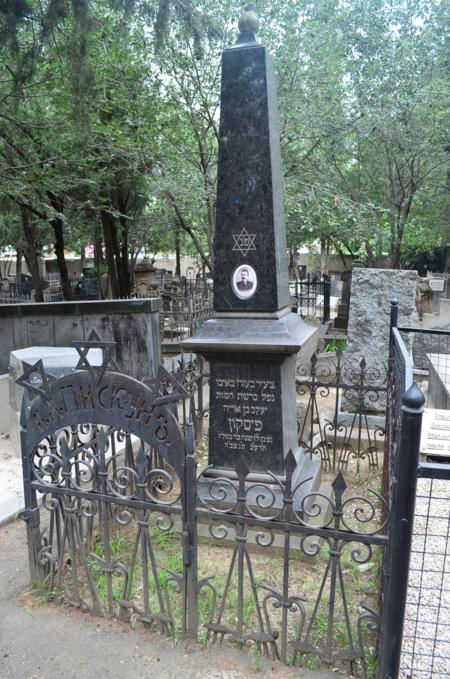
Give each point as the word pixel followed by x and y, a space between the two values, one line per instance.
pixel 253 341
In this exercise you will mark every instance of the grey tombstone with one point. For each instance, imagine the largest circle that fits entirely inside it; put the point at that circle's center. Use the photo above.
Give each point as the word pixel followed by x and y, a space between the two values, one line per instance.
pixel 253 340
pixel 369 320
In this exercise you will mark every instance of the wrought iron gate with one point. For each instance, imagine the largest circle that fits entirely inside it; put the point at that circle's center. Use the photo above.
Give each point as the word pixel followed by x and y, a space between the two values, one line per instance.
pixel 103 452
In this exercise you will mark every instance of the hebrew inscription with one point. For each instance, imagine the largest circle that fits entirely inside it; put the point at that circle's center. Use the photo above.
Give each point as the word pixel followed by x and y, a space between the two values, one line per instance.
pixel 245 408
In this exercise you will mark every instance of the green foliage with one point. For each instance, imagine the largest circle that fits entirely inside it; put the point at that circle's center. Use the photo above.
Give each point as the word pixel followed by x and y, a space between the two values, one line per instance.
pixel 109 125
pixel 336 343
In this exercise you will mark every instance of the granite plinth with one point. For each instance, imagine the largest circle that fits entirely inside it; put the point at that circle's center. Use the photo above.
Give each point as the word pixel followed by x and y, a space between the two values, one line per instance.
pixel 368 331
pixel 284 334
pixel 252 389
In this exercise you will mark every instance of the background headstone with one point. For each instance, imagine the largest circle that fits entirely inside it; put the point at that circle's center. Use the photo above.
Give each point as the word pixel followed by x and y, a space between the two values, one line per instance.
pixel 369 317
pixel 132 323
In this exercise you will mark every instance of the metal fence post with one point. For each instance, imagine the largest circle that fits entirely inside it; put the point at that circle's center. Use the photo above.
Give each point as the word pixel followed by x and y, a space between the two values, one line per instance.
pixel 400 534
pixel 394 312
pixel 390 404
pixel 31 513
pixel 189 535
pixel 326 297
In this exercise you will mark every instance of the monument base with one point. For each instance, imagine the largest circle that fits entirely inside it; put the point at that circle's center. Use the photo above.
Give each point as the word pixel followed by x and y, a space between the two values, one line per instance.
pixel 252 388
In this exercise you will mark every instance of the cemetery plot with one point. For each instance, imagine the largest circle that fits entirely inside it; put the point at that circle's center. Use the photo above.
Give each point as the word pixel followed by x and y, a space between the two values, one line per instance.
pixel 117 531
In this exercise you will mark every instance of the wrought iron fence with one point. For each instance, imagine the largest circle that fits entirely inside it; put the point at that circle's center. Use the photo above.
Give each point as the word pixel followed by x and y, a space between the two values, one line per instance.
pixel 192 372
pixel 117 474
pixel 312 296
pixel 340 414
pixel 414 622
pixel 15 291
pixel 182 317
pixel 430 350
pixel 196 292
pixel 188 287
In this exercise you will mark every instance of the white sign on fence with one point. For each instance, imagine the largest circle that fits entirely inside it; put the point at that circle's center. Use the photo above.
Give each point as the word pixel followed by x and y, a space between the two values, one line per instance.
pixel 437 284
pixel 435 437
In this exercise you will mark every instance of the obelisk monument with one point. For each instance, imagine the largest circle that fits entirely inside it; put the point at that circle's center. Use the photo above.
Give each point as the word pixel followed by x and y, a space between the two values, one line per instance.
pixel 253 340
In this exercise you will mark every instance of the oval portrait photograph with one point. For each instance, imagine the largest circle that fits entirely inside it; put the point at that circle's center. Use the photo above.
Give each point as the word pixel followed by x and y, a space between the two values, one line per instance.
pixel 244 281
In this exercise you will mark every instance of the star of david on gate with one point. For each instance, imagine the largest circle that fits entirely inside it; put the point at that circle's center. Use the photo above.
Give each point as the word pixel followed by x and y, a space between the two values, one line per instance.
pixel 244 242
pixel 94 342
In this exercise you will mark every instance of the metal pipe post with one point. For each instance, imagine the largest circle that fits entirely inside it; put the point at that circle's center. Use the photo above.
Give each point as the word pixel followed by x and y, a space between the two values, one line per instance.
pixel 400 537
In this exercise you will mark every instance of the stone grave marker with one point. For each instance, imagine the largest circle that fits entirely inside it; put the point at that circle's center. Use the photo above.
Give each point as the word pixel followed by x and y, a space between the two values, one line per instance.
pixel 253 340
pixel 370 308
pixel 369 320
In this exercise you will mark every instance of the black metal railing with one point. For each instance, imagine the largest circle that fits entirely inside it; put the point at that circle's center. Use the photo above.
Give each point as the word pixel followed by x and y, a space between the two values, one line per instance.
pixel 414 638
pixel 430 350
pixel 17 291
pixel 311 296
pixel 341 411
pixel 182 317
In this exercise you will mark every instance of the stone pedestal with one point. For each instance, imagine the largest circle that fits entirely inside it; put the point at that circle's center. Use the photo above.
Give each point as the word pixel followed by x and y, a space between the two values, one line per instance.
pixel 253 410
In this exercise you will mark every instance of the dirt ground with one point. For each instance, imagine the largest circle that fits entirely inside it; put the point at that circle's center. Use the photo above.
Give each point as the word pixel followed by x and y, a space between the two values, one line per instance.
pixel 44 640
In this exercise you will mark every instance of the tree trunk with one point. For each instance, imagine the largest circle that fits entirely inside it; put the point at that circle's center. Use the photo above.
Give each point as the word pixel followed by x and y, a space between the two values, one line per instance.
pixel 108 238
pixel 125 277
pixel 206 260
pixel 29 231
pixel 98 263
pixel 66 286
pixel 177 254
pixel 82 258
pixel 57 226
pixel 18 262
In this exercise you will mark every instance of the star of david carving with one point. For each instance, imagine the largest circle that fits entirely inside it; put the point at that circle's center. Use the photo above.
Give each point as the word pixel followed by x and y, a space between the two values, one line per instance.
pixel 94 342
pixel 244 242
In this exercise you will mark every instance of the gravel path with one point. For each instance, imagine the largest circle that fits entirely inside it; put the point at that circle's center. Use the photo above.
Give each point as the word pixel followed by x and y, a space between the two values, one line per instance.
pixel 426 639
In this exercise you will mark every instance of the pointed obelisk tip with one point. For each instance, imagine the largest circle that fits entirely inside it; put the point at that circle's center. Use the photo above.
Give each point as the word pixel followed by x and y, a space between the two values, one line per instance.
pixel 248 26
